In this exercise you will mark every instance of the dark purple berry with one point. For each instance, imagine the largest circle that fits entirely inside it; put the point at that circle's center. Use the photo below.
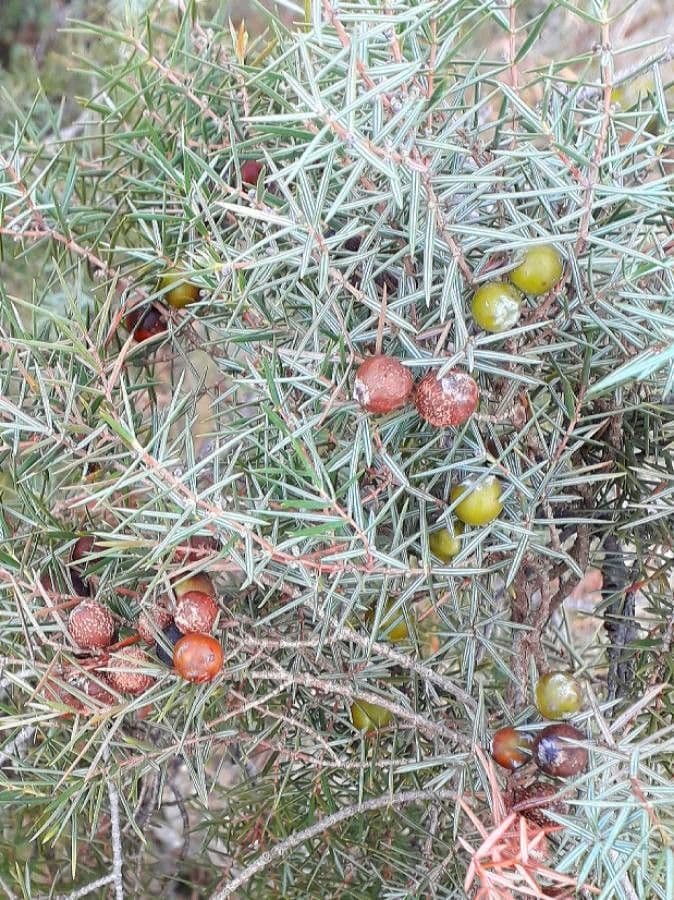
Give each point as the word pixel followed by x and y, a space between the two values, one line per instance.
pixel 171 636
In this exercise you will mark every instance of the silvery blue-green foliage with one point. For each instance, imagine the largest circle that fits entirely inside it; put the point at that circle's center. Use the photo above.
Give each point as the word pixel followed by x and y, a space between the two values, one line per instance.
pixel 403 162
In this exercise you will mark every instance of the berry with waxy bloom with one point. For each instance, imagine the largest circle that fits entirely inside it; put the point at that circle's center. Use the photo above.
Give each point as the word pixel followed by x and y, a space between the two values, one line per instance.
pixel 556 751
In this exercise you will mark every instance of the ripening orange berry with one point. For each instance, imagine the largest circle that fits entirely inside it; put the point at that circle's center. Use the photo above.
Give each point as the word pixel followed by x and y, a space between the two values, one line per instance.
pixel 198 658
pixel 511 748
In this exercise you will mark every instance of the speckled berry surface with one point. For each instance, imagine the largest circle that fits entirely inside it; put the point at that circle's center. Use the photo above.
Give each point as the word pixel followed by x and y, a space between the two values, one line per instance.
pixel 198 658
pixel 447 401
pixel 382 384
pixel 91 625
pixel 195 612
pixel 153 620
pixel 533 800
pixel 79 691
pixel 556 752
pixel 124 671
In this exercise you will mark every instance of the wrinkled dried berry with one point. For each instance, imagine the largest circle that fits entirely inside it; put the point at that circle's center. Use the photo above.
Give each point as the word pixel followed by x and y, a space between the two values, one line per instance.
pixel 533 801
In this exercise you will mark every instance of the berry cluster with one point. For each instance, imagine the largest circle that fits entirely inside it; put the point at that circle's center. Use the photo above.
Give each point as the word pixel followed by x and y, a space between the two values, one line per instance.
pixel 557 750
pixel 496 305
pixel 383 385
pixel 179 629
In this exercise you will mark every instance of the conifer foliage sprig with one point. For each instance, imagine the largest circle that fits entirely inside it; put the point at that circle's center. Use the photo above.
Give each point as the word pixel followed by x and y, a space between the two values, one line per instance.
pixel 336 188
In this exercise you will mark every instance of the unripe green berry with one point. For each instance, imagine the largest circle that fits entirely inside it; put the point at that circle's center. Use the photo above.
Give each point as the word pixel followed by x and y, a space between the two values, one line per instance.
pixel 444 544
pixel 369 716
pixel 178 291
pixel 496 306
pixel 480 503
pixel 540 270
pixel 558 695
pixel 393 626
